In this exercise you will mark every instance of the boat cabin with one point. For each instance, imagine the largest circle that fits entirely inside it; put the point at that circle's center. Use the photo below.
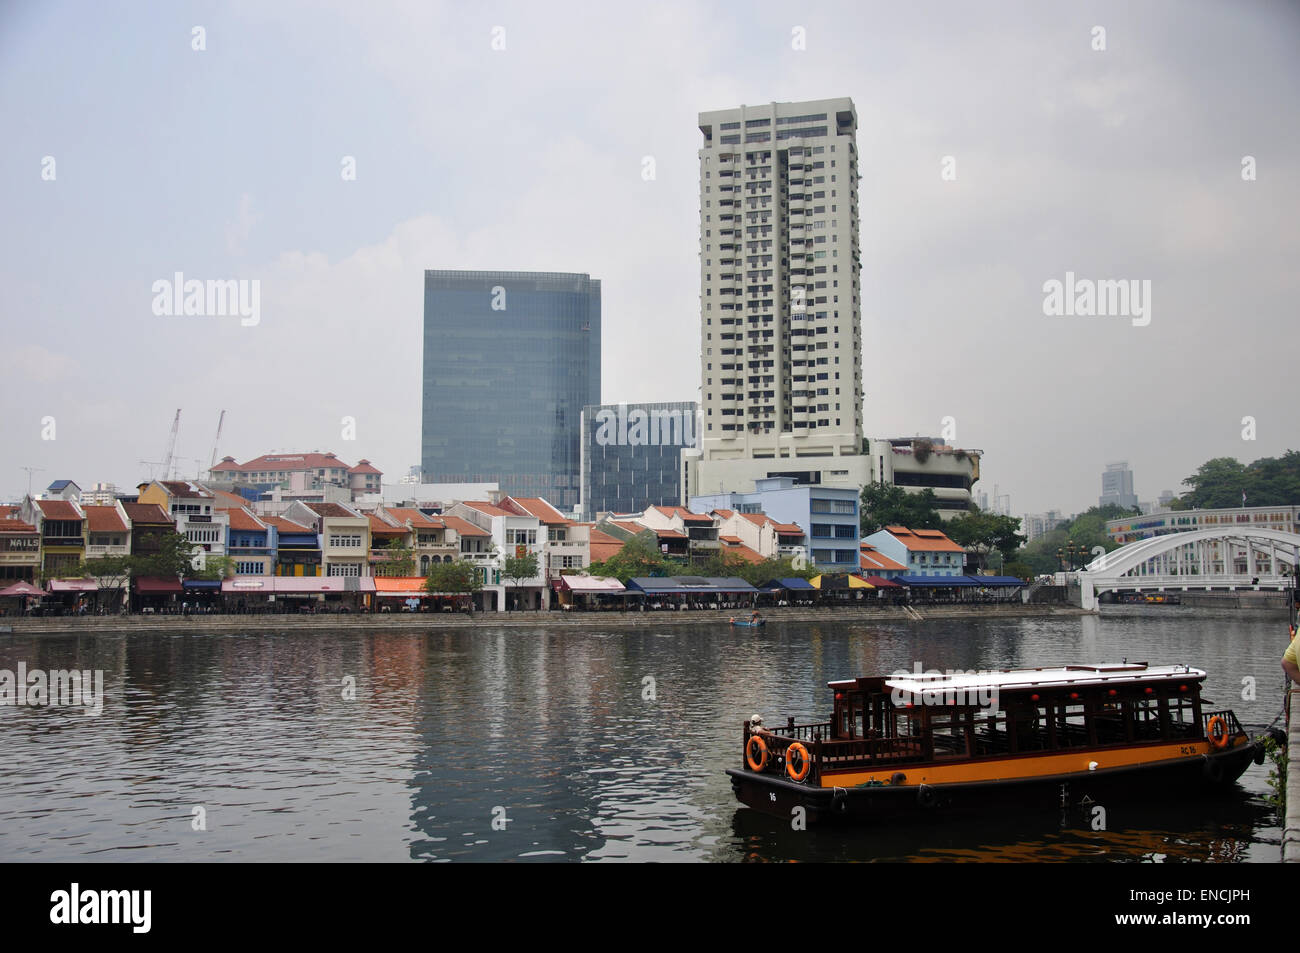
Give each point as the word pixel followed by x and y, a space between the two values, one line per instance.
pixel 946 717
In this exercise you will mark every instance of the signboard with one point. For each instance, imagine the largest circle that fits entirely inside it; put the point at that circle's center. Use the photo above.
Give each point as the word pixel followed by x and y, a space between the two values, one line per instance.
pixel 521 550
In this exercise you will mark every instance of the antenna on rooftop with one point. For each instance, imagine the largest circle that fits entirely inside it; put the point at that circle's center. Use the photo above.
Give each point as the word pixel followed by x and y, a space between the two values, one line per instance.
pixel 30 471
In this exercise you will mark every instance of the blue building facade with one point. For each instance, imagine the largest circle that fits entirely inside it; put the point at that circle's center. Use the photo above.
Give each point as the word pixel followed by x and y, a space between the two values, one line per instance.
pixel 631 455
pixel 828 515
pixel 510 360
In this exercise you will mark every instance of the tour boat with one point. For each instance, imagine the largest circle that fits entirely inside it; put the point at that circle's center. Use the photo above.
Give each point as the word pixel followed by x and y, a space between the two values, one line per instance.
pixel 931 742
pixel 748 623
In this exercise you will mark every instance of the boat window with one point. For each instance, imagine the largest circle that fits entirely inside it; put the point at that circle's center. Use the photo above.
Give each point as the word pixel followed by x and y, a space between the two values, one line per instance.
pixel 1071 726
pixel 948 732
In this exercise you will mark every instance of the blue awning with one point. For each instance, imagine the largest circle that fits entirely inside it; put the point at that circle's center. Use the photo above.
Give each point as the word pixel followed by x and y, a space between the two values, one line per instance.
pixel 794 583
pixel 999 581
pixel 202 583
pixel 937 582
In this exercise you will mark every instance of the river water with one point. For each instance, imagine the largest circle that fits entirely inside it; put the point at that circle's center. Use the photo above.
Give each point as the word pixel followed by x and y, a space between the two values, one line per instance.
pixel 550 744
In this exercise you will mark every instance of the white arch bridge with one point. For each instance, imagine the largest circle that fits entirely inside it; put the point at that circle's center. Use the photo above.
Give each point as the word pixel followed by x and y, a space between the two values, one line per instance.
pixel 1229 557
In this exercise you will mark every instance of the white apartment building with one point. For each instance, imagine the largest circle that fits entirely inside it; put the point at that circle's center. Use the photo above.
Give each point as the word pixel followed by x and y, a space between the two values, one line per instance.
pixel 511 534
pixel 780 298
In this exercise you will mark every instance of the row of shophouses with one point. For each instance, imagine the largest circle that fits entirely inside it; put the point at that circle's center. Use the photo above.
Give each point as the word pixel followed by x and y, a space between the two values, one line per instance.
pixel 310 550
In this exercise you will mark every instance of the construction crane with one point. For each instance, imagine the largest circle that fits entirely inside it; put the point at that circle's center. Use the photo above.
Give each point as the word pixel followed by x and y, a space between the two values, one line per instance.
pixel 216 442
pixel 171 447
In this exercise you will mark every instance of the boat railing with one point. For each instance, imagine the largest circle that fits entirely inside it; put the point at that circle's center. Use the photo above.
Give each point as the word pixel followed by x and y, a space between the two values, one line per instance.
pixel 805 733
pixel 1234 726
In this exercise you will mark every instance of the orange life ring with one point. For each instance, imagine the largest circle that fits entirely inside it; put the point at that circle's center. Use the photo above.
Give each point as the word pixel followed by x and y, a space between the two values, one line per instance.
pixel 801 773
pixel 1216 729
pixel 759 763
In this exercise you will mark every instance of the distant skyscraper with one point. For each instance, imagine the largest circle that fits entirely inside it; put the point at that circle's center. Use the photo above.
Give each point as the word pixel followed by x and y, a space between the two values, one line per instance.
pixel 780 302
pixel 631 455
pixel 1117 486
pixel 510 360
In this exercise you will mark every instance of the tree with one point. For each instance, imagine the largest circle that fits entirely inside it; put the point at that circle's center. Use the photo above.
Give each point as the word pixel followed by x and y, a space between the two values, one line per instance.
pixel 518 568
pixel 884 504
pixel 638 557
pixel 215 567
pixel 173 560
pixel 982 533
pixel 1220 483
pixel 461 576
pixel 111 573
pixel 398 560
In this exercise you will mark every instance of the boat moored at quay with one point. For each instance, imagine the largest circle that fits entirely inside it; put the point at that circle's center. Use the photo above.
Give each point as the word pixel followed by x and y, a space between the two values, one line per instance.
pixel 1043 737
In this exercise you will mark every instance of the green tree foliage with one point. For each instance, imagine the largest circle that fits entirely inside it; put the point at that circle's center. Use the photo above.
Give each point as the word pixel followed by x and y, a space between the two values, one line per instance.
pixel 459 576
pixel 982 533
pixel 639 557
pixel 516 569
pixel 398 561
pixel 110 572
pixel 215 567
pixel 1219 483
pixel 1086 531
pixel 884 504
pixel 174 559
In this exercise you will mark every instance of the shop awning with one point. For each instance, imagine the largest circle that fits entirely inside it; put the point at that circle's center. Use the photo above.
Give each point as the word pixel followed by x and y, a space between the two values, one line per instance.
pixel 881 583
pixel 591 584
pixel 938 582
pixel 202 584
pixel 298 585
pixel 400 587
pixel 73 585
pixel 998 581
pixel 840 581
pixel 793 583
pixel 152 586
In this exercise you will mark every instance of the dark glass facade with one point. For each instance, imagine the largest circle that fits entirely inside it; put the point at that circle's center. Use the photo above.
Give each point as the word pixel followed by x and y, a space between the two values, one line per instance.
pixel 510 360
pixel 631 455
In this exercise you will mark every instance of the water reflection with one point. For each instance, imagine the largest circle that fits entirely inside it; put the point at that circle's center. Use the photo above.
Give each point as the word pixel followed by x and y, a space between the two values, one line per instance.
pixel 544 745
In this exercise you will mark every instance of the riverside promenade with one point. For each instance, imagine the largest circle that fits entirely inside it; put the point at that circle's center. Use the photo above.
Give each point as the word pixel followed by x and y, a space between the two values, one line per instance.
pixel 416 622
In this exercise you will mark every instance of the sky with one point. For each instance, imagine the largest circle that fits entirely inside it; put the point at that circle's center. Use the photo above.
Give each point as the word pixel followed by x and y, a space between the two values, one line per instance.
pixel 1002 145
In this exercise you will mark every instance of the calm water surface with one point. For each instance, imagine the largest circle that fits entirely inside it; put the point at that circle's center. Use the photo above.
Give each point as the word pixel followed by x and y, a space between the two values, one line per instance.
pixel 546 732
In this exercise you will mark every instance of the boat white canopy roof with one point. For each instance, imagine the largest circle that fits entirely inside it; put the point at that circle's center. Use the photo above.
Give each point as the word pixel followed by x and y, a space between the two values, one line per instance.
pixel 1106 673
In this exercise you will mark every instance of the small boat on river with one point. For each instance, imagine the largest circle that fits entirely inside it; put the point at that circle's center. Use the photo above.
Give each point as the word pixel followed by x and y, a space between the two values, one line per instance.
pixel 1046 737
pixel 748 623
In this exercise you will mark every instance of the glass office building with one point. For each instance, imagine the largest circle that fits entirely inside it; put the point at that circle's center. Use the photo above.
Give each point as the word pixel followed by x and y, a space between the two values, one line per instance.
pixel 510 360
pixel 631 455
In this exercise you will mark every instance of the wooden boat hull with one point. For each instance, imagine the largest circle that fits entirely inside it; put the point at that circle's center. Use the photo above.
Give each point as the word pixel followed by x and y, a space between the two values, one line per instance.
pixel 1173 778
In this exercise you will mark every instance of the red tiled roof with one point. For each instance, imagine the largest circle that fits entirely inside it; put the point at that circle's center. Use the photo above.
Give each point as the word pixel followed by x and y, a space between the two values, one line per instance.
pixel 380 527
pixel 284 461
pixel 11 524
pixel 669 534
pixel 932 542
pixel 330 509
pixel 363 466
pixel 634 528
pixel 725 514
pixel 418 519
pixel 185 490
pixel 740 549
pixel 229 499
pixel 729 539
pixel 286 526
pixel 7 510
pixel 603 546
pixel 464 527
pixel 872 561
pixel 240 518
pixel 536 506
pixel 104 519
pixel 58 510
pixel 146 513
pixel 684 513
pixel 488 508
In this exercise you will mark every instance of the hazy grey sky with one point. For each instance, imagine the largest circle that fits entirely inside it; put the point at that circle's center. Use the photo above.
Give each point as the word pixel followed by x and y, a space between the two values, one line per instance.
pixel 226 162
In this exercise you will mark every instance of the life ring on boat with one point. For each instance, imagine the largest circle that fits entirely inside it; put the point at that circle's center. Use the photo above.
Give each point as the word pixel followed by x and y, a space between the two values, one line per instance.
pixel 756 763
pixel 797 774
pixel 1216 729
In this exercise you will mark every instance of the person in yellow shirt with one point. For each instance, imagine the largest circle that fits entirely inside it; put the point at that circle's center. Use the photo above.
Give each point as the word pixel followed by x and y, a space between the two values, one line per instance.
pixel 1289 662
